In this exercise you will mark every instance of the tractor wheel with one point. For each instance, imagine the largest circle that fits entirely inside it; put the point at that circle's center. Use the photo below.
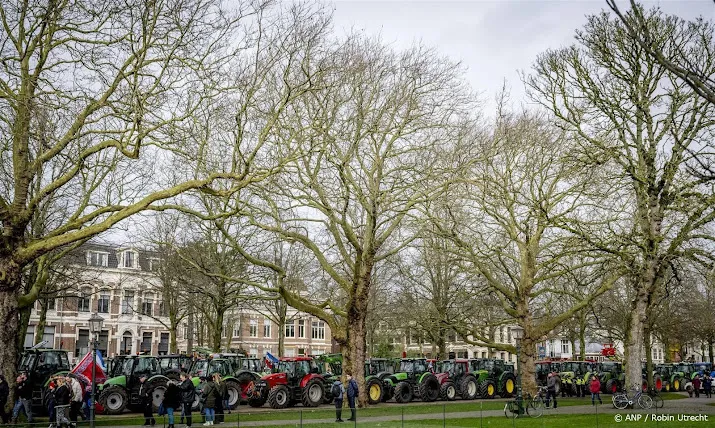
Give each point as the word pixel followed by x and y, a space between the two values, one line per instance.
pixel 233 389
pixel 487 389
pixel 403 392
pixel 677 384
pixel 312 394
pixel 244 381
pixel 279 397
pixel 447 391
pixel 469 388
pixel 157 389
pixel 666 386
pixel 114 399
pixel 644 385
pixel 429 388
pixel 389 391
pixel 658 383
pixel 256 400
pixel 611 386
pixel 508 386
pixel 374 390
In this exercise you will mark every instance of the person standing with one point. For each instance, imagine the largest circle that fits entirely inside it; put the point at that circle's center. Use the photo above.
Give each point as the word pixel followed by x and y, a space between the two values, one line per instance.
pixel 188 395
pixel 23 394
pixel 51 389
pixel 696 386
pixel 63 398
pixel 172 401
pixel 707 385
pixel 595 388
pixel 210 395
pixel 4 393
pixel 353 393
pixel 76 395
pixel 222 401
pixel 551 390
pixel 146 402
pixel 338 391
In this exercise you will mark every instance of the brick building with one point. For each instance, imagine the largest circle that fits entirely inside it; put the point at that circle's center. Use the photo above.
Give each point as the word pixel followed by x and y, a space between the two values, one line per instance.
pixel 119 283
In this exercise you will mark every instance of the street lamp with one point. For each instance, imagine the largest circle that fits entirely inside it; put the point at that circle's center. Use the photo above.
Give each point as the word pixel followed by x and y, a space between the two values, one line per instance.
pixel 518 333
pixel 95 326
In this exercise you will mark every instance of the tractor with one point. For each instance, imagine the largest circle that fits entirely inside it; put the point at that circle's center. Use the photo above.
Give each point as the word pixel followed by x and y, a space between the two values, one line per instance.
pixel 686 372
pixel 455 379
pixel 236 371
pixel 575 375
pixel 121 390
pixel 657 379
pixel 376 387
pixel 543 368
pixel 413 379
pixel 493 377
pixel 294 379
pixel 40 365
pixel 611 376
pixel 672 380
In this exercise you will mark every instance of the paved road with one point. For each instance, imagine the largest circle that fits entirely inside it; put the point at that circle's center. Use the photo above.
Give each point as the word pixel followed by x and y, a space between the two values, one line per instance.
pixel 691 406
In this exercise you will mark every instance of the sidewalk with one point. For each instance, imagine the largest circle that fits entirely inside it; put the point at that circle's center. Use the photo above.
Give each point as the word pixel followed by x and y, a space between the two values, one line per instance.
pixel 686 405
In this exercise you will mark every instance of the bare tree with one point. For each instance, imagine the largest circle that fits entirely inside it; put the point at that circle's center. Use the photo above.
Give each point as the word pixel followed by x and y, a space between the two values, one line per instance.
pixel 643 126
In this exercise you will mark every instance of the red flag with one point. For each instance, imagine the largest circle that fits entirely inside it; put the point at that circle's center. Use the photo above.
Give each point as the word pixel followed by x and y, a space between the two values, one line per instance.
pixel 84 370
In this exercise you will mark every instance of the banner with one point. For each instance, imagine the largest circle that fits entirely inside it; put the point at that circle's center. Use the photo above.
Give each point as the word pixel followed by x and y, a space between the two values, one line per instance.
pixel 84 369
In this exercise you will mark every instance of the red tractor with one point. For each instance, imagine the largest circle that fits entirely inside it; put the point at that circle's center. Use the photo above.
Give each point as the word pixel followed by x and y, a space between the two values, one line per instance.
pixel 454 379
pixel 294 379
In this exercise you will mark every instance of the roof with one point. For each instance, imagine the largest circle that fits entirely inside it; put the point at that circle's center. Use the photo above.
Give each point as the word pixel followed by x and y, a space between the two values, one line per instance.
pixel 79 255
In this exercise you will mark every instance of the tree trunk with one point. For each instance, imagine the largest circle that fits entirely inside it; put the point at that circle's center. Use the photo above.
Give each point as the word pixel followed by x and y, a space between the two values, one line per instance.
pixel 356 328
pixel 710 349
pixel 9 317
pixel 648 356
pixel 190 333
pixel 527 365
pixel 40 329
pixel 217 328
pixel 23 325
pixel 582 338
pixel 441 344
pixel 634 339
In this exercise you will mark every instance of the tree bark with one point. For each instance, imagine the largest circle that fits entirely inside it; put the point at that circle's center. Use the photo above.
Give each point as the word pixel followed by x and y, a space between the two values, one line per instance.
pixel 10 284
pixel 648 356
pixel 40 329
pixel 217 329
pixel 190 333
pixel 527 361
pixel 634 339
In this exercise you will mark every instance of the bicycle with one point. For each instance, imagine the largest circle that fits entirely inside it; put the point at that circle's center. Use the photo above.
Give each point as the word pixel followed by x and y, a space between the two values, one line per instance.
pixel 621 400
pixel 530 405
pixel 657 399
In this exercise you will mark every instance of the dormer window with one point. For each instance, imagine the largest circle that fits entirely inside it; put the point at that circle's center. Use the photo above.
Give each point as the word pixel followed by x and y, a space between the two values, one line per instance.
pixel 97 258
pixel 129 259
pixel 154 264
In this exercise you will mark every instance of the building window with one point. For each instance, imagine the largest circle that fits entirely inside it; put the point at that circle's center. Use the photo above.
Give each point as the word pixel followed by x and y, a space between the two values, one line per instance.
pixel 237 329
pixel 301 329
pixel 129 259
pixel 154 264
pixel 318 331
pixel 484 354
pixel 290 352
pixel 103 303
pixel 97 258
pixel 290 330
pixel 253 353
pixel 146 342
pixel 51 304
pixel 163 310
pixel 508 335
pixel 128 302
pixel 30 336
pixel 503 356
pixel 164 344
pixel 82 344
pixel 253 329
pixel 267 328
pixel 83 301
pixel 126 347
pixel 147 304
pixel 565 347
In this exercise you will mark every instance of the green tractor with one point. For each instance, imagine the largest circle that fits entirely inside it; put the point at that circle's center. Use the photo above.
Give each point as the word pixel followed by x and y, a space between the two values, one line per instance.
pixel 413 379
pixel 172 365
pixel 657 379
pixel 455 379
pixel 237 372
pixel 121 390
pixel 494 377
pixel 40 365
pixel 575 376
pixel 685 372
pixel 611 375
pixel 376 387
pixel 672 379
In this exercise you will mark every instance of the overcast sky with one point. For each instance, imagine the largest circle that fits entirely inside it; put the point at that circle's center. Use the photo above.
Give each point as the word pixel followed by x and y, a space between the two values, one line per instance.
pixel 493 39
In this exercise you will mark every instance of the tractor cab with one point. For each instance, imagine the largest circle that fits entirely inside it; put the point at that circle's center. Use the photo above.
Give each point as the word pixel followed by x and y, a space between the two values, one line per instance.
pixel 687 369
pixel 40 365
pixel 173 365
pixel 413 367
pixel 543 368
pixel 205 368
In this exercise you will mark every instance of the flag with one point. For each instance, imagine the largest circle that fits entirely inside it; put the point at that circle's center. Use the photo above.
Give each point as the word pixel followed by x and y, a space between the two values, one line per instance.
pixel 84 369
pixel 271 358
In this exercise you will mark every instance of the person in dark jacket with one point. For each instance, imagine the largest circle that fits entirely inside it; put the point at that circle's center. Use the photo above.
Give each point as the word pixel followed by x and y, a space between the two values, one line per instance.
pixel 146 402
pixel 222 402
pixel 23 395
pixel 51 388
pixel 188 395
pixel 4 393
pixel 551 390
pixel 707 385
pixel 172 401
pixel 63 395
pixel 696 386
pixel 338 391
pixel 210 395
pixel 353 393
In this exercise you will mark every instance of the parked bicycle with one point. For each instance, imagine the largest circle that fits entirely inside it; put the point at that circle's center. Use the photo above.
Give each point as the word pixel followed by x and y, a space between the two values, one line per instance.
pixel 530 405
pixel 621 400
pixel 657 399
